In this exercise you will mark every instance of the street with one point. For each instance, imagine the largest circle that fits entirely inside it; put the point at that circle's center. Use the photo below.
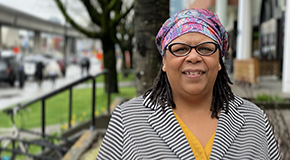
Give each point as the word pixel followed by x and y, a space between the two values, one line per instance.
pixel 14 95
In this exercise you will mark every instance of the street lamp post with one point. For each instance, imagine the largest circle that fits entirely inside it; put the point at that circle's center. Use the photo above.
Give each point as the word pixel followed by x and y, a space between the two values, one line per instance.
pixel 65 34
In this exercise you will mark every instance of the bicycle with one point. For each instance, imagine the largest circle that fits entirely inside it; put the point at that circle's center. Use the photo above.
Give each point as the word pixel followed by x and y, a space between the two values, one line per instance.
pixel 7 140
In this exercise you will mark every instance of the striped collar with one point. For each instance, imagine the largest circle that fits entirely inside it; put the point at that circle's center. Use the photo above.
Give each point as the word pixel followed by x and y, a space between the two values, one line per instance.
pixel 147 102
pixel 166 126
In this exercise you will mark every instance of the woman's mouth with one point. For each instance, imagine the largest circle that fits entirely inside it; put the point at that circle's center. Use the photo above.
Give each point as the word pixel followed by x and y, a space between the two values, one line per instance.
pixel 193 73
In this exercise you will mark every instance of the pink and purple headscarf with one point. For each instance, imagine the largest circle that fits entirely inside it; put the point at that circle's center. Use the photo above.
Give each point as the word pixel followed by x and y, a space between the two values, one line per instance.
pixel 192 20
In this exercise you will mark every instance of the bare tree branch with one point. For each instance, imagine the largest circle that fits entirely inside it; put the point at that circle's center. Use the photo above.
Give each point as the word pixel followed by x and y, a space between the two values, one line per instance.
pixel 118 17
pixel 74 24
pixel 112 4
pixel 94 15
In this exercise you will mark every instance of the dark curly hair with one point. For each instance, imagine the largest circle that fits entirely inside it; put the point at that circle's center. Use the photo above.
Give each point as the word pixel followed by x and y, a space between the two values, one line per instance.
pixel 160 92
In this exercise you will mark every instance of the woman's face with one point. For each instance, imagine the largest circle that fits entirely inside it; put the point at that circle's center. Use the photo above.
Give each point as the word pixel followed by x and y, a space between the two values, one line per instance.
pixel 192 74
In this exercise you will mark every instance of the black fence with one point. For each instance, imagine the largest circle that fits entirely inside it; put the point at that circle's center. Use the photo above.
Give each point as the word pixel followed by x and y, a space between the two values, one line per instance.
pixel 43 142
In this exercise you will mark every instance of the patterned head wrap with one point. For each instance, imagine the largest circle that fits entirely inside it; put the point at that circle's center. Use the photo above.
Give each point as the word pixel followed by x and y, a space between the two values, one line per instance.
pixel 192 20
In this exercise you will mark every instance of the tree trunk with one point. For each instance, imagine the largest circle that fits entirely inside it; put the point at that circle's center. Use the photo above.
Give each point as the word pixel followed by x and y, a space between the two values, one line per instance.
pixel 149 17
pixel 110 62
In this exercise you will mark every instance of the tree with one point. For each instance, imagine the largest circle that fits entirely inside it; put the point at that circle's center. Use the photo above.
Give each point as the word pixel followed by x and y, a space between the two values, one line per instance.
pixel 107 15
pixel 149 17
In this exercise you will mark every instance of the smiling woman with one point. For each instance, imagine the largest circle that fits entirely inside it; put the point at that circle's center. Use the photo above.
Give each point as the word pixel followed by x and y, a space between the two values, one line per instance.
pixel 192 75
pixel 190 112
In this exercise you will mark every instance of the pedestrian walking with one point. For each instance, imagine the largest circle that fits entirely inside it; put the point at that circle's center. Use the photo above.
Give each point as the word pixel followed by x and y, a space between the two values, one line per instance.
pixel 39 73
pixel 190 112
pixel 21 75
pixel 85 66
pixel 53 71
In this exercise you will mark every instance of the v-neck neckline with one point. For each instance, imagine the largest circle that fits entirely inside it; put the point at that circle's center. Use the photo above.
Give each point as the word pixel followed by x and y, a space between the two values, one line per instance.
pixel 198 150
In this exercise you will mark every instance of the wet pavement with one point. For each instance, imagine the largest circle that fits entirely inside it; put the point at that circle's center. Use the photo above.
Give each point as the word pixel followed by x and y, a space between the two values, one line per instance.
pixel 10 96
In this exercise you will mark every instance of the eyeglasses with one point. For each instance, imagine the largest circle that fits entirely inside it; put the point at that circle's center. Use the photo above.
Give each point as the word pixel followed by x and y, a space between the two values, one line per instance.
pixel 182 49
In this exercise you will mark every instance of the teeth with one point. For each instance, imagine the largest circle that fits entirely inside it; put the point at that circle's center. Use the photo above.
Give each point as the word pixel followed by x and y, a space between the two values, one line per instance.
pixel 193 73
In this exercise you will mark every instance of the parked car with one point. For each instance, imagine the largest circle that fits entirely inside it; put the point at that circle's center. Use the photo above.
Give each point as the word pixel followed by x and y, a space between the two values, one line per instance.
pixel 11 69
pixel 7 73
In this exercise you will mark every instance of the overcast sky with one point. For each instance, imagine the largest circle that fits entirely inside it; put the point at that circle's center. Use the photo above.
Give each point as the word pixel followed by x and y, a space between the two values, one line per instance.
pixel 47 9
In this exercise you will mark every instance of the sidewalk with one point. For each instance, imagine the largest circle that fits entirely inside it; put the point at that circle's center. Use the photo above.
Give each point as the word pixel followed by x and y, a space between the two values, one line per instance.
pixel 269 85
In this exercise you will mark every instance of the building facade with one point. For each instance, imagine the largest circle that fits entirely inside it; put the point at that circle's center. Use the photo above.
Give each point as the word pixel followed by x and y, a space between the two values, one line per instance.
pixel 257 30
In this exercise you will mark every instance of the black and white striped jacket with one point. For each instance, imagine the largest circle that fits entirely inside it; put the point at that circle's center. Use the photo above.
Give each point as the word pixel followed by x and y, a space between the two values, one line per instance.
pixel 140 130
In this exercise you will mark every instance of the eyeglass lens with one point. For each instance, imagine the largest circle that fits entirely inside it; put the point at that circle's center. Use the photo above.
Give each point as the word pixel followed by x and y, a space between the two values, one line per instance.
pixel 180 49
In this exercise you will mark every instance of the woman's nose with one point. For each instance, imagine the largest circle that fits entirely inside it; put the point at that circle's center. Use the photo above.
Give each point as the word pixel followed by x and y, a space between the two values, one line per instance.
pixel 193 56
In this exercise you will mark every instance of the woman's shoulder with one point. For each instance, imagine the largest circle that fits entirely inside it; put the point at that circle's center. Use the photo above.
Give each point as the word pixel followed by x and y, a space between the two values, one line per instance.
pixel 138 100
pixel 133 105
pixel 250 109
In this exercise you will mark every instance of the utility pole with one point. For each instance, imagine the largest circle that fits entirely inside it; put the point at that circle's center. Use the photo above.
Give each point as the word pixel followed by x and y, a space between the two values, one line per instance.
pixel 65 34
pixel 0 41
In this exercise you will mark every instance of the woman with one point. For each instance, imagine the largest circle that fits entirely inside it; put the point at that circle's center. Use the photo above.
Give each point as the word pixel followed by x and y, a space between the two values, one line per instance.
pixel 53 72
pixel 190 112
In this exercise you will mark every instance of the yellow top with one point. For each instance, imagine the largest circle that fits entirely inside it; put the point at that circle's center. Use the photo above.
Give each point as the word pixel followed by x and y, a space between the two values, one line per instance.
pixel 199 152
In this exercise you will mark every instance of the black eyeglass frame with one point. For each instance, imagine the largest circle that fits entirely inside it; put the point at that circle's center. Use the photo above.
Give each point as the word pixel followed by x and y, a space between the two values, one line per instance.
pixel 170 50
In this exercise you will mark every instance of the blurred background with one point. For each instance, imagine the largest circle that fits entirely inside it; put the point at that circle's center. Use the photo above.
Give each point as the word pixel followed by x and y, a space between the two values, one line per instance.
pixel 46 45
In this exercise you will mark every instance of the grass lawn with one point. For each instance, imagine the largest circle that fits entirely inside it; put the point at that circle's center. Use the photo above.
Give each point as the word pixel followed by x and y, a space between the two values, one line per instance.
pixel 57 109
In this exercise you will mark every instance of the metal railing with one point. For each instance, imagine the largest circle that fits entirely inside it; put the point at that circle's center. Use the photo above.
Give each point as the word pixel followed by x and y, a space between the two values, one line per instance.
pixel 13 111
